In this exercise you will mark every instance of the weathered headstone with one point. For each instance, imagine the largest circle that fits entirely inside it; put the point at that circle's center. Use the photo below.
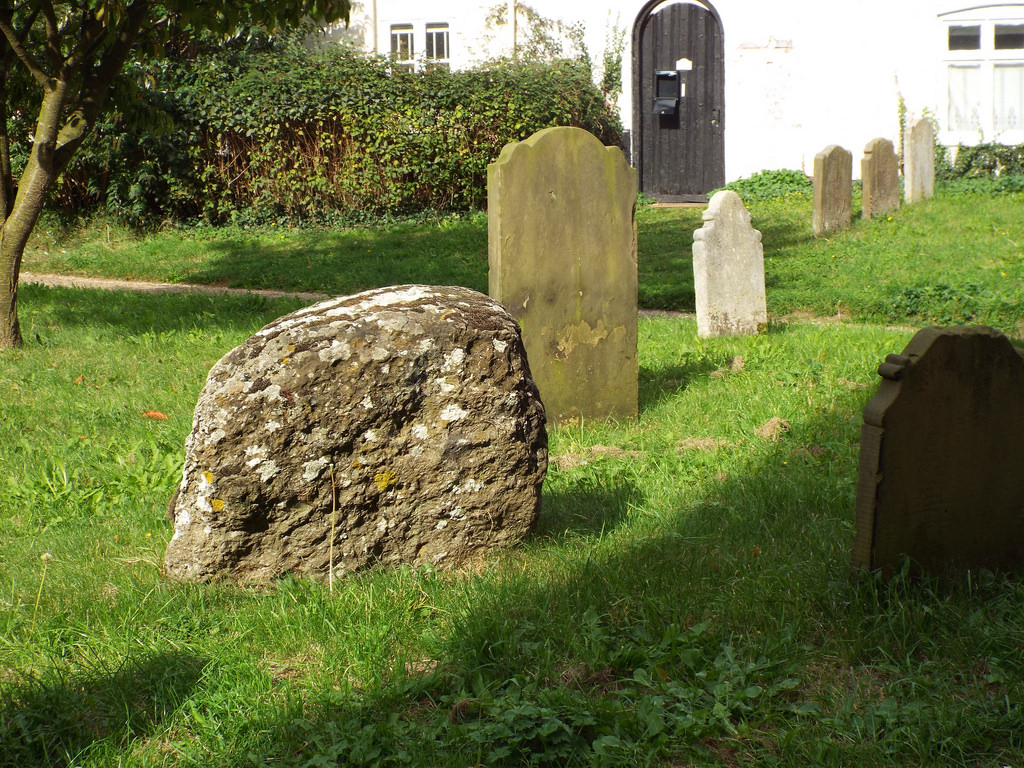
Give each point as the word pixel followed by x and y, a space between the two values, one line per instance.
pixel 919 161
pixel 562 251
pixel 880 179
pixel 728 270
pixel 833 190
pixel 942 456
pixel 395 426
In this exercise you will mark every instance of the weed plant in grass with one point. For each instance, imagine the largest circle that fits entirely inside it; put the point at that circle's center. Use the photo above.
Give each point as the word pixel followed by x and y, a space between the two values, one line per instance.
pixel 685 600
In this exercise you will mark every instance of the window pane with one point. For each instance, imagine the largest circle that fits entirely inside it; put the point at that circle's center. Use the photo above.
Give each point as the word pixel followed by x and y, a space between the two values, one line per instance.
pixel 401 41
pixel 437 41
pixel 964 98
pixel 1009 36
pixel 965 38
pixel 1008 97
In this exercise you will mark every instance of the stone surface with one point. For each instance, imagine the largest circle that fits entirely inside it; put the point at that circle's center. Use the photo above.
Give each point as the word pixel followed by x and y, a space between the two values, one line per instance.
pixel 833 190
pixel 919 161
pixel 562 250
pixel 942 456
pixel 404 420
pixel 880 177
pixel 728 270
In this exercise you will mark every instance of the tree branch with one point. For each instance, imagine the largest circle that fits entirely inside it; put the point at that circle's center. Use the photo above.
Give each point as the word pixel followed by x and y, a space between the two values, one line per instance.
pixel 10 33
pixel 6 172
pixel 53 50
pixel 90 36
pixel 97 81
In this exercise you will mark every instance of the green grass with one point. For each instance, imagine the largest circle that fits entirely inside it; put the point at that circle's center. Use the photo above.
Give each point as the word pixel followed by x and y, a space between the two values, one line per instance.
pixel 946 260
pixel 446 251
pixel 950 259
pixel 685 601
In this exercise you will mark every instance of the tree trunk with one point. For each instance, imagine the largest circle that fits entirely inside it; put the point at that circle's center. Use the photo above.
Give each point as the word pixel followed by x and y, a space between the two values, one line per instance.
pixel 58 135
pixel 14 236
pixel 10 266
pixel 36 181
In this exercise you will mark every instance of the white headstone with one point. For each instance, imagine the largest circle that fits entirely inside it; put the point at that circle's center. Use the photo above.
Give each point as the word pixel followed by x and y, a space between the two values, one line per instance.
pixel 919 161
pixel 728 270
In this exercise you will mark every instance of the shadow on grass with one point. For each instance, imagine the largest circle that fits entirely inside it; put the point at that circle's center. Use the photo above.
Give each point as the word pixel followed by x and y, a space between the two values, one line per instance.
pixel 780 233
pixel 45 311
pixel 53 722
pixel 658 384
pixel 585 503
pixel 762 563
pixel 349 261
pixel 665 258
pixel 777 529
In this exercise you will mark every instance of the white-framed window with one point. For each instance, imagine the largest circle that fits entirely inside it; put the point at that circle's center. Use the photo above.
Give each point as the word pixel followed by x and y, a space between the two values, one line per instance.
pixel 403 49
pixel 984 72
pixel 415 45
pixel 437 50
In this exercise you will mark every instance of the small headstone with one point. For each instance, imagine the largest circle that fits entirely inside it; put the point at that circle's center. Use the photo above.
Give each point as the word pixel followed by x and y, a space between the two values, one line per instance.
pixel 833 190
pixel 395 426
pixel 880 178
pixel 942 452
pixel 728 270
pixel 919 161
pixel 562 251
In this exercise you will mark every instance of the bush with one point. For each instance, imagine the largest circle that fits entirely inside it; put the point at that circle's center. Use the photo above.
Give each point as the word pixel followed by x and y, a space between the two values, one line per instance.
pixel 985 185
pixel 766 185
pixel 323 133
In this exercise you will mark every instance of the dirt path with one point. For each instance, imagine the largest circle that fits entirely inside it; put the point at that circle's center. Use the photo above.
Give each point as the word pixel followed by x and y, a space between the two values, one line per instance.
pixel 139 286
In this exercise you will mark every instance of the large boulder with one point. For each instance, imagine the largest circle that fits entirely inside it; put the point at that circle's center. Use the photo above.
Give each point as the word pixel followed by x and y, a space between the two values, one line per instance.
pixel 402 420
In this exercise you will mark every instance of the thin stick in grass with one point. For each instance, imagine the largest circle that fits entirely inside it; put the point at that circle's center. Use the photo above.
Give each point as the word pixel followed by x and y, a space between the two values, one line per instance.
pixel 46 557
pixel 330 546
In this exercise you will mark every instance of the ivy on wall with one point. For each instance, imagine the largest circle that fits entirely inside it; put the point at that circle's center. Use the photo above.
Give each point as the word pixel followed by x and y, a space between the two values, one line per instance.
pixel 982 161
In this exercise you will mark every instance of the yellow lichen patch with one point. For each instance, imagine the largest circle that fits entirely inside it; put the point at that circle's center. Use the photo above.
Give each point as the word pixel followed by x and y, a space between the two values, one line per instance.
pixel 217 504
pixel 208 477
pixel 384 480
pixel 284 360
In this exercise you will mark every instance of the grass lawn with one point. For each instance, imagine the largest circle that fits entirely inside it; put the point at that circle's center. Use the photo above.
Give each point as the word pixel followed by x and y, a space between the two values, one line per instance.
pixel 686 600
pixel 951 259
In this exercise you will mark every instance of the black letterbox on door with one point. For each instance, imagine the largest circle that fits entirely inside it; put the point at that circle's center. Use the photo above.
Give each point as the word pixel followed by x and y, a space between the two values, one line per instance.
pixel 666 92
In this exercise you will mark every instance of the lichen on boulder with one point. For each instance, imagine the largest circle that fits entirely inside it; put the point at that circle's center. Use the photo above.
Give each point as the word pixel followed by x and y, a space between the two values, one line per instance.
pixel 404 421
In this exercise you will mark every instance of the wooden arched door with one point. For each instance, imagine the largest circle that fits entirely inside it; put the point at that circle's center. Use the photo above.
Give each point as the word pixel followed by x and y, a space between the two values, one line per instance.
pixel 678 100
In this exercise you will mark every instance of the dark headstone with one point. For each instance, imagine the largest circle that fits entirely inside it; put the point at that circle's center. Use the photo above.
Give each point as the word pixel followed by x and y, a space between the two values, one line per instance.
pixel 942 456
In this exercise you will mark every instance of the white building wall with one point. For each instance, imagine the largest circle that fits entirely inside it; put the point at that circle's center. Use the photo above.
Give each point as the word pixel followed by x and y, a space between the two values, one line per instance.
pixel 799 74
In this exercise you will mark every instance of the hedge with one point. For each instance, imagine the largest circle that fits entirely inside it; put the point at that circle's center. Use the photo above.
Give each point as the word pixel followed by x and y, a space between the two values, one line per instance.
pixel 322 133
